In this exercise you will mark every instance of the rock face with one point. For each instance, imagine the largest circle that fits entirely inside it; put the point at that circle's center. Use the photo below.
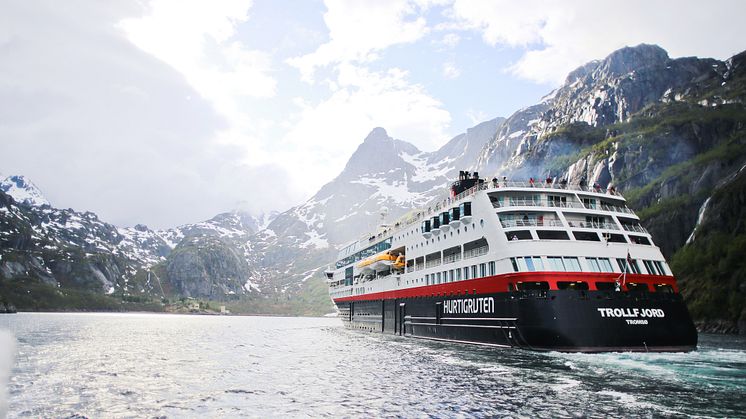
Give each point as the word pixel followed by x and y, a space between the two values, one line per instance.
pixel 207 267
pixel 600 93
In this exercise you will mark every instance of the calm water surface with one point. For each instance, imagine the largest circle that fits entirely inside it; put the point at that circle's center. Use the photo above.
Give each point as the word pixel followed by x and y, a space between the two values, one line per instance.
pixel 150 365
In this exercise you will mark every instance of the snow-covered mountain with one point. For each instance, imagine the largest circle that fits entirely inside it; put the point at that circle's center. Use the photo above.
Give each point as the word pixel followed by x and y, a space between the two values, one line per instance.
pixel 383 179
pixel 22 190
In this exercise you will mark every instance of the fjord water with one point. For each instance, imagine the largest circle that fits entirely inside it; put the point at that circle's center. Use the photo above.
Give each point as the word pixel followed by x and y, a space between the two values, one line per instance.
pixel 149 365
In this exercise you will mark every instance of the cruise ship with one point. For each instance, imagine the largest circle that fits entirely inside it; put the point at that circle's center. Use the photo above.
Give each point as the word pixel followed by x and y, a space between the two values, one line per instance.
pixel 544 266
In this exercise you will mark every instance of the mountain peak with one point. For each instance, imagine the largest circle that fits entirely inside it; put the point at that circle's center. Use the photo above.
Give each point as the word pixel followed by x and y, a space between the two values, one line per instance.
pixel 627 59
pixel 23 190
pixel 377 134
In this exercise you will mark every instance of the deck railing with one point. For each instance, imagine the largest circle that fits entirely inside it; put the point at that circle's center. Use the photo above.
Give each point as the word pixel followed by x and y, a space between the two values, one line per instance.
pixel 531 223
pixel 635 228
pixel 479 251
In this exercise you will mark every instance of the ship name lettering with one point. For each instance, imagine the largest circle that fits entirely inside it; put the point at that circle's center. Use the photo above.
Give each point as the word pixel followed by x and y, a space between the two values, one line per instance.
pixel 469 306
pixel 632 312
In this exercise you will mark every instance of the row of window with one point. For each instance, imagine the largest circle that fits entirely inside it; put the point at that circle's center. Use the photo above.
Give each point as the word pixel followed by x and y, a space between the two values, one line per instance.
pixel 583 286
pixel 468 272
pixel 593 264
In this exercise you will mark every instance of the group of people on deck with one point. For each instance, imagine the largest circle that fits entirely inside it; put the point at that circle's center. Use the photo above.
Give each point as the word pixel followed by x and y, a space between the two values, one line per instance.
pixel 549 181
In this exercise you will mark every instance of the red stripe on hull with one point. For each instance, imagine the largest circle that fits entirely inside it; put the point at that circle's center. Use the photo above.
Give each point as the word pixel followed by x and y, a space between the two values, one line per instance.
pixel 499 283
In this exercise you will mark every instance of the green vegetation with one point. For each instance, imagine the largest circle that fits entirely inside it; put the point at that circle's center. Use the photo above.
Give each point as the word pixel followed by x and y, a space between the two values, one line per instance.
pixel 31 295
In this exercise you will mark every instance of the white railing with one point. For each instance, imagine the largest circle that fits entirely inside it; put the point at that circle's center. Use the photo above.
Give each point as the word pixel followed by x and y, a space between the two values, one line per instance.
pixel 431 263
pixel 553 185
pixel 479 251
pixel 636 228
pixel 611 208
pixel 531 223
pixel 587 224
pixel 452 258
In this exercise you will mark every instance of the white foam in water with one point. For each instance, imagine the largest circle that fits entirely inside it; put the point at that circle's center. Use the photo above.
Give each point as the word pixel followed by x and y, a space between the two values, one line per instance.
pixel 7 348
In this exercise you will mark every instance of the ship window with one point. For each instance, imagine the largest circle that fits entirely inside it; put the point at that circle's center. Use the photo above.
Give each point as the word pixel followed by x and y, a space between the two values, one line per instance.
pixel 438 277
pixel 572 264
pixel 593 263
pixel 552 235
pixel 649 267
pixel 450 276
pixel 664 288
pixel 427 279
pixel 555 263
pixel 518 235
pixel 522 266
pixel 541 285
pixel 586 236
pixel 466 272
pixel 482 270
pixel 632 286
pixel 660 267
pixel 458 274
pixel 572 285
pixel 474 271
pixel 605 286
pixel 529 263
pixel 614 238
pixel 633 267
pixel 491 268
pixel 515 265
pixel 639 239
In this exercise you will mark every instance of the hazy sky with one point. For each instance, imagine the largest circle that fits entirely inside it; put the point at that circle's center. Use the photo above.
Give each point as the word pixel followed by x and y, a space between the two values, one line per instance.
pixel 170 111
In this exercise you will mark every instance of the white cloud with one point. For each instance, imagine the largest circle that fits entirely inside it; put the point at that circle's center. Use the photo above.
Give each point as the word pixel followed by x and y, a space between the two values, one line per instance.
pixel 450 40
pixel 450 70
pixel 100 125
pixel 358 31
pixel 560 36
pixel 327 133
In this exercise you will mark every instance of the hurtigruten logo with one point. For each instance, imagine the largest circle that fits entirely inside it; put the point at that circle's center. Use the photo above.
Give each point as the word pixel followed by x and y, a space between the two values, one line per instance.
pixel 469 306
pixel 633 315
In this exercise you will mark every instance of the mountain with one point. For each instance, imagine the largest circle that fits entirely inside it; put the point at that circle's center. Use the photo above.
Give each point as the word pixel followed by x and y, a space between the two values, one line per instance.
pixel 22 190
pixel 668 133
pixel 383 179
pixel 69 256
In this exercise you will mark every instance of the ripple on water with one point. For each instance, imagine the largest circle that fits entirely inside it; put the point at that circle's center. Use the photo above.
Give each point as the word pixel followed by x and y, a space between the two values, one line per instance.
pixel 174 366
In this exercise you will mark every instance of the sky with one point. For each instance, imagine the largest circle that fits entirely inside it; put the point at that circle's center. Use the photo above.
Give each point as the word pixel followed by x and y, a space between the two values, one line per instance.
pixel 165 112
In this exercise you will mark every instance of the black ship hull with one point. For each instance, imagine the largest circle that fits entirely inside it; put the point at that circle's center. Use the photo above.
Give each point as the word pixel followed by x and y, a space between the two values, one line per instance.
pixel 552 320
